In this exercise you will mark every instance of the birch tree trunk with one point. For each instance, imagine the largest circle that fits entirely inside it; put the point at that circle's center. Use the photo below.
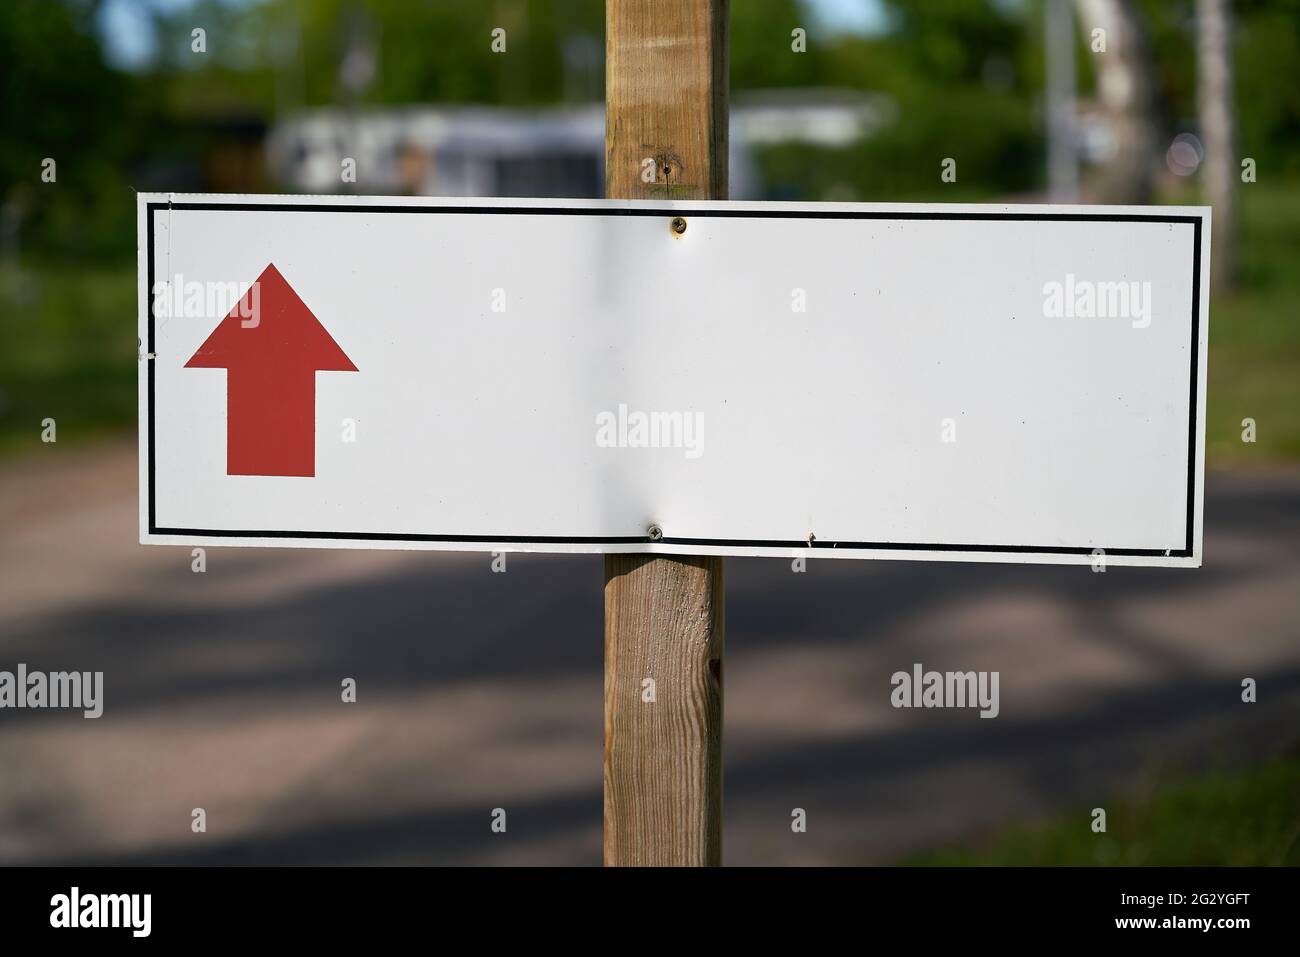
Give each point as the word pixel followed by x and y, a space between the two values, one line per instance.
pixel 1215 105
pixel 1125 89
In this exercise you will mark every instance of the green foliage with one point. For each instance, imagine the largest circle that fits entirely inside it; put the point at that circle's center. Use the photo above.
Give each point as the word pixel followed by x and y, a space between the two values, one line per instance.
pixel 1268 86
pixel 991 136
pixel 761 56
pixel 70 347
pixel 962 76
pixel 951 42
pixel 266 56
pixel 60 101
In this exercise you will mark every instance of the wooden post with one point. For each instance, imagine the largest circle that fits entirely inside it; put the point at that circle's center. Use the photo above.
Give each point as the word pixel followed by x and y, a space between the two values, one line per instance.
pixel 665 138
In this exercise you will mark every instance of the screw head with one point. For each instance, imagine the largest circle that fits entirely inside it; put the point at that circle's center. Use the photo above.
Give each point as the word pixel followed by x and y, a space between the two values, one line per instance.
pixel 655 533
pixel 678 225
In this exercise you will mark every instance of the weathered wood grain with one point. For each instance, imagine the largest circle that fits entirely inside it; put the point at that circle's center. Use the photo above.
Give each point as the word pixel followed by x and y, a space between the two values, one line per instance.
pixel 666 103
pixel 666 98
pixel 664 620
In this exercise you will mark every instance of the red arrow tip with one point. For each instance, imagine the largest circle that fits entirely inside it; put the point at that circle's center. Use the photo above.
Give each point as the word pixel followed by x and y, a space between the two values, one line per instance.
pixel 271 324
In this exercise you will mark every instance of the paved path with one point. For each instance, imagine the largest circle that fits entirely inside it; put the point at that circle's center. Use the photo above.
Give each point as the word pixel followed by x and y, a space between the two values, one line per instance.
pixel 481 690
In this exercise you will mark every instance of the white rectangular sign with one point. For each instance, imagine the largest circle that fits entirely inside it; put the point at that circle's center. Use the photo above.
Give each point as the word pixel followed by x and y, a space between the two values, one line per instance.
pixel 946 382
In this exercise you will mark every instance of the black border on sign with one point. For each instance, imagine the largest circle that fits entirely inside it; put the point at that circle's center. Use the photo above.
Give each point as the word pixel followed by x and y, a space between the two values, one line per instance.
pixel 1192 445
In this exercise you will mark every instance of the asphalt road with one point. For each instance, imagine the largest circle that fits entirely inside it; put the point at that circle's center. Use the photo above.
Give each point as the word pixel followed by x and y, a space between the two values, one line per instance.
pixel 479 690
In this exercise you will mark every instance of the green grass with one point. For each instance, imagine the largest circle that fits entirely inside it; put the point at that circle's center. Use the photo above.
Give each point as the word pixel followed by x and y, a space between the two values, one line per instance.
pixel 68 344
pixel 1254 369
pixel 1247 818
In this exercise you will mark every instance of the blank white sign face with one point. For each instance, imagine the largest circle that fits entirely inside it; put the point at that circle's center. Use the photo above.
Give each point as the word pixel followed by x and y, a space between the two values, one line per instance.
pixel 975 383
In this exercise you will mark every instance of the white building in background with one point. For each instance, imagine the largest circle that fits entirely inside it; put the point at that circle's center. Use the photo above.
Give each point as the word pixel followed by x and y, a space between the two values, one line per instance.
pixel 559 151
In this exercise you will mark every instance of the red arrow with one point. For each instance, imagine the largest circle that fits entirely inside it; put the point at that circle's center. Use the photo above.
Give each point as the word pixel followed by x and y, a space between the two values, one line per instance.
pixel 272 347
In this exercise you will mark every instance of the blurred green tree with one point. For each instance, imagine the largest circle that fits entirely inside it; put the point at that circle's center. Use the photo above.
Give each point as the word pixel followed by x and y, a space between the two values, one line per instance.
pixel 60 101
